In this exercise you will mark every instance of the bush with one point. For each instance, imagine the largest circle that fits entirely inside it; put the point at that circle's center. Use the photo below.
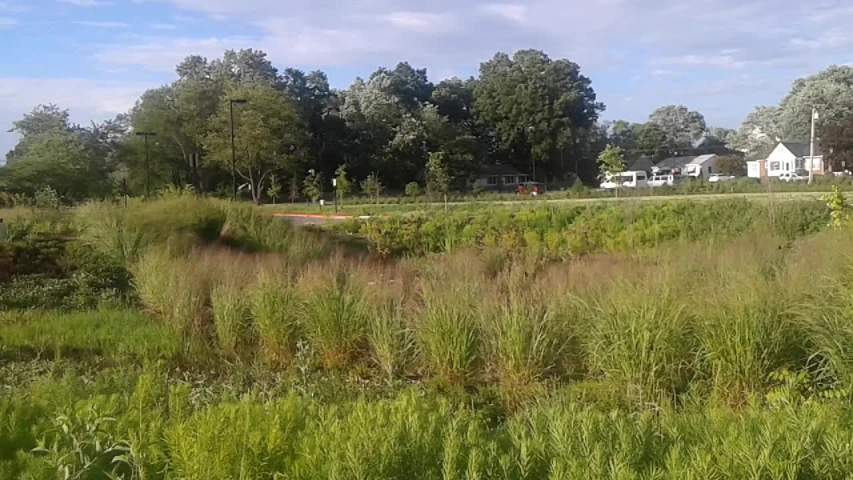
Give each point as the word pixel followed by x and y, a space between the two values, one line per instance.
pixel 413 189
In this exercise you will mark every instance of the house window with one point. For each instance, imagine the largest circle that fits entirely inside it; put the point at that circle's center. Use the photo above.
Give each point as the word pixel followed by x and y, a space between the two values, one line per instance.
pixel 774 166
pixel 710 169
pixel 509 179
pixel 801 163
pixel 492 181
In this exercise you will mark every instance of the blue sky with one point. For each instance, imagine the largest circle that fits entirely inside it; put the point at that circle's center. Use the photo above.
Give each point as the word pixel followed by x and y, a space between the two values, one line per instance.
pixel 720 57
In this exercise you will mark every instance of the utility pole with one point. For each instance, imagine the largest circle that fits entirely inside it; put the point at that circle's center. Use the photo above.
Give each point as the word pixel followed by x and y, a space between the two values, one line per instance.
pixel 811 147
pixel 147 163
pixel 231 103
pixel 530 130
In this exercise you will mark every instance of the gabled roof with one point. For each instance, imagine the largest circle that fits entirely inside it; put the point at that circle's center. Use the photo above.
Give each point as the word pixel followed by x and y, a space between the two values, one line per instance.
pixel 761 154
pixel 801 149
pixel 701 159
pixel 498 169
pixel 675 162
pixel 643 162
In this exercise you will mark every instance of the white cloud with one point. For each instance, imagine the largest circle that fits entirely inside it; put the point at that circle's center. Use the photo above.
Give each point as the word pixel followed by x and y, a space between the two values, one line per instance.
pixel 163 26
pixel 422 22
pixel 8 22
pixel 85 3
pixel 509 11
pixel 86 99
pixel 108 25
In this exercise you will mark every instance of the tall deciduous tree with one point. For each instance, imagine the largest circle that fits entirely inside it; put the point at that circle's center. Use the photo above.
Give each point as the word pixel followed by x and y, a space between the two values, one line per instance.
pixel 759 130
pixel 268 134
pixel 830 91
pixel 681 126
pixel 535 110
pixel 836 141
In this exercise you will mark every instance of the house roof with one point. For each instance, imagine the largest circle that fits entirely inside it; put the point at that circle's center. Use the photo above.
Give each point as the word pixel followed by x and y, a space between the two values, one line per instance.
pixel 643 162
pixel 675 162
pixel 801 149
pixel 761 154
pixel 701 159
pixel 498 169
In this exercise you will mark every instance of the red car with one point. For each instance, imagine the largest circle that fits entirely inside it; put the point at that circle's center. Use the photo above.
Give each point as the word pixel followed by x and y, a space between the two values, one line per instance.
pixel 532 188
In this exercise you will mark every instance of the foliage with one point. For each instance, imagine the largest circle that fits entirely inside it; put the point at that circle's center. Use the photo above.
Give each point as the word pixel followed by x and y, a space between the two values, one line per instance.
pixel 839 209
pixel 836 141
pixel 267 130
pixel 535 108
pixel 680 126
pixel 611 161
pixel 372 186
pixel 274 188
pixel 343 186
pixel 438 180
pixel 313 186
pixel 731 165
pixel 413 189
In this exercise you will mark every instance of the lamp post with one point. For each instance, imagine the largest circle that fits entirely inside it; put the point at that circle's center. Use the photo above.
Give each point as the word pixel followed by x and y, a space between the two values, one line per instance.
pixel 811 146
pixel 231 103
pixel 147 164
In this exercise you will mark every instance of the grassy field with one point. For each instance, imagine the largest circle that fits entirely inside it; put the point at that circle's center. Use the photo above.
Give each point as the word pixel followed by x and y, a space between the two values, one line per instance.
pixel 187 338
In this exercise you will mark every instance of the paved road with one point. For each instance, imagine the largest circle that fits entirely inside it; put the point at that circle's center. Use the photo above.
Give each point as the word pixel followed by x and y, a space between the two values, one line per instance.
pixel 311 219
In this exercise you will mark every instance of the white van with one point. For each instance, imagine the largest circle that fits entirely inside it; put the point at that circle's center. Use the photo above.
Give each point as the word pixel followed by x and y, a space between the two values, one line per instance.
pixel 664 180
pixel 632 179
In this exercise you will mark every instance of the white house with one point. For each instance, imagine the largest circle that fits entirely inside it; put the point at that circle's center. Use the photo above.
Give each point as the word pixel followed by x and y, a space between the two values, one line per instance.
pixel 787 157
pixel 689 166
pixel 702 166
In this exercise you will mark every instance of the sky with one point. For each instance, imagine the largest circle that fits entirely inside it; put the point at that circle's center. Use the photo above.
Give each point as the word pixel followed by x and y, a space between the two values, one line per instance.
pixel 719 57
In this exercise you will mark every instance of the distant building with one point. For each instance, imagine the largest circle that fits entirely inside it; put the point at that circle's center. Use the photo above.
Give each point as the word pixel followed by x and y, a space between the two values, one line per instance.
pixel 786 157
pixel 701 166
pixel 500 176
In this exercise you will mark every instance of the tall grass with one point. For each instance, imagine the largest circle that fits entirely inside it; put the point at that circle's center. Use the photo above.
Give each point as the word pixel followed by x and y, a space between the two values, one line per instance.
pixel 231 313
pixel 275 311
pixel 642 339
pixel 527 340
pixel 449 337
pixel 334 314
pixel 173 287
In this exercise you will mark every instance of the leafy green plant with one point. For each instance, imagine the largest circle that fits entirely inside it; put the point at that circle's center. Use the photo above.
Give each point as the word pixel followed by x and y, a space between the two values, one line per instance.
pixel 274 188
pixel 413 189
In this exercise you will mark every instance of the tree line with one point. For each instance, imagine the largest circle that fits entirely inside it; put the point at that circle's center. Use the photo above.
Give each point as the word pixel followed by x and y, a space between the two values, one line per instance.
pixel 394 131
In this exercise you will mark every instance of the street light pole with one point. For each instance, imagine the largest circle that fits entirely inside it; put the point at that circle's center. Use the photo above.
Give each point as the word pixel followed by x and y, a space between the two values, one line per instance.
pixel 811 147
pixel 231 103
pixel 532 158
pixel 147 163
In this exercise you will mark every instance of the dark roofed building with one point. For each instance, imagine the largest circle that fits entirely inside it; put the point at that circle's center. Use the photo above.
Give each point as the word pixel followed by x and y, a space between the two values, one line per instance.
pixel 499 176
pixel 675 162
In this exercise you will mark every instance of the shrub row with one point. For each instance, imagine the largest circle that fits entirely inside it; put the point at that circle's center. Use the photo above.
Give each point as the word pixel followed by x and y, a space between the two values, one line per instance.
pixel 563 231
